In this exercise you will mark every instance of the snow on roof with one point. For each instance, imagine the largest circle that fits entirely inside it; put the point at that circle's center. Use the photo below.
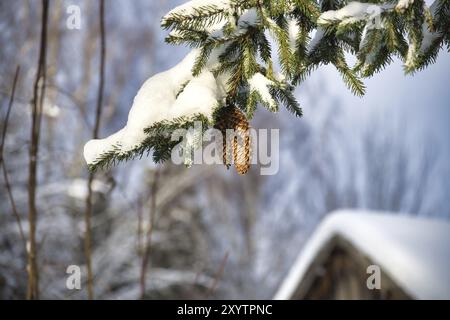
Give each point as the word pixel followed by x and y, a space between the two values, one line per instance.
pixel 414 252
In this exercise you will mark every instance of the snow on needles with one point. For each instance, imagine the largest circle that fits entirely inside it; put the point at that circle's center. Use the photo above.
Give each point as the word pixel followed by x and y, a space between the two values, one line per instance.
pixel 318 36
pixel 353 12
pixel 429 37
pixel 191 7
pixel 261 84
pixel 157 100
pixel 294 30
pixel 402 5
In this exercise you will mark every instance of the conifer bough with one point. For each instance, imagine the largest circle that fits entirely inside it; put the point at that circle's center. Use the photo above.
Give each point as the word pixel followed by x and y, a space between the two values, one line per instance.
pixel 250 53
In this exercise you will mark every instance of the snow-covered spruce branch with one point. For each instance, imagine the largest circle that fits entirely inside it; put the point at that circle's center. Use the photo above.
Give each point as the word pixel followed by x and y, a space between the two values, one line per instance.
pixel 235 44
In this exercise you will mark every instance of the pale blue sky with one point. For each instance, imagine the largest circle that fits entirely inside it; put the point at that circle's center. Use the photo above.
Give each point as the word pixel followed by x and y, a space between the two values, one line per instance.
pixel 422 99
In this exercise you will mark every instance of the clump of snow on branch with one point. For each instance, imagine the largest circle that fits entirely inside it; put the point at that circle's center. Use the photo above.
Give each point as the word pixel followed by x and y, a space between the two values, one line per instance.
pixel 402 5
pixel 160 99
pixel 352 12
pixel 429 37
pixel 318 36
pixel 294 29
pixel 260 84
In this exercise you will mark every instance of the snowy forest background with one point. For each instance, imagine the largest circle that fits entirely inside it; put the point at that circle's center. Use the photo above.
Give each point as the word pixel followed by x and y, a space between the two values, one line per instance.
pixel 216 234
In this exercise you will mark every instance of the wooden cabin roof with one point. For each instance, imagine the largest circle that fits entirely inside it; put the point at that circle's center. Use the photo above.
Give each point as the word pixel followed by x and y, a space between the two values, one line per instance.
pixel 414 252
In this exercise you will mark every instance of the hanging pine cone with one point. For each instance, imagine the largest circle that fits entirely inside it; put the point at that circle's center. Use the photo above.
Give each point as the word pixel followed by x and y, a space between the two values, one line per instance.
pixel 239 147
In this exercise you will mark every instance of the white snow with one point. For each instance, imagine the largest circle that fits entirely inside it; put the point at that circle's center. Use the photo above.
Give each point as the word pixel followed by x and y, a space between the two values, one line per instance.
pixel 319 34
pixel 248 18
pixel 371 56
pixel 414 252
pixel 260 84
pixel 157 100
pixel 294 29
pixel 197 97
pixel 364 34
pixel 402 5
pixel 428 36
pixel 411 55
pixel 354 11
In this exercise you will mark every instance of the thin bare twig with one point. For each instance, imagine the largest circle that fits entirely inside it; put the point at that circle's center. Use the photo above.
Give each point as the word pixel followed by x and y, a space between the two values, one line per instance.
pixel 2 158
pixel 140 209
pixel 38 101
pixel 218 275
pixel 148 241
pixel 8 112
pixel 88 213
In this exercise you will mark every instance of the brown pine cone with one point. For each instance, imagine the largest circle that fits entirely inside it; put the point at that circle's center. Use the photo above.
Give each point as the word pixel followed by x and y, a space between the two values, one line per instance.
pixel 239 146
